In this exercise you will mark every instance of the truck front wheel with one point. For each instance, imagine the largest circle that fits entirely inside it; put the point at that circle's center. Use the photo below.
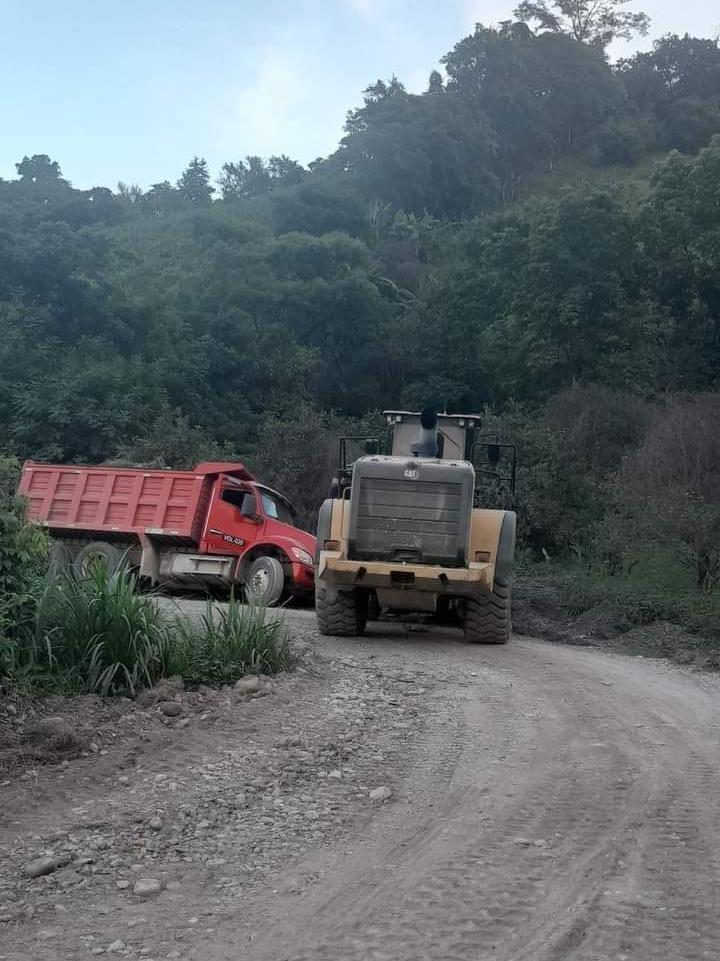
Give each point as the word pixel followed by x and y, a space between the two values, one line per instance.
pixel 487 619
pixel 265 581
pixel 340 613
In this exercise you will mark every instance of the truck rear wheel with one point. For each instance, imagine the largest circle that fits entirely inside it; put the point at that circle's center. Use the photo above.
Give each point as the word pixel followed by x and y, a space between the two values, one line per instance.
pixel 97 552
pixel 265 581
pixel 487 618
pixel 340 613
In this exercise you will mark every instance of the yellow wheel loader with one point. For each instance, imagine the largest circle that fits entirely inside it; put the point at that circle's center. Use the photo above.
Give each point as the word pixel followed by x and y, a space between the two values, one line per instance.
pixel 404 531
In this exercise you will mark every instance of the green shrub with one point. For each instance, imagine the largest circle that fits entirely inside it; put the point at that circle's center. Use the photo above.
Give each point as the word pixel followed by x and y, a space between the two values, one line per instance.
pixel 23 546
pixel 226 643
pixel 567 454
pixel 23 561
pixel 98 634
pixel 671 484
pixel 658 588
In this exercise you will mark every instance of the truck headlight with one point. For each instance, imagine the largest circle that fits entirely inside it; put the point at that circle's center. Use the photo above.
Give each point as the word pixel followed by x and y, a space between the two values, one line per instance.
pixel 303 556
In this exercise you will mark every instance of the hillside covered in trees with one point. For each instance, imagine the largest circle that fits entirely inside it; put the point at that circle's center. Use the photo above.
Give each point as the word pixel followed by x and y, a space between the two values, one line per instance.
pixel 537 235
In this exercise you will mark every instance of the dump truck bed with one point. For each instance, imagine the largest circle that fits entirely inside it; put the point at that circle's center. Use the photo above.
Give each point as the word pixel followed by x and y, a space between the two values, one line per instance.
pixel 113 500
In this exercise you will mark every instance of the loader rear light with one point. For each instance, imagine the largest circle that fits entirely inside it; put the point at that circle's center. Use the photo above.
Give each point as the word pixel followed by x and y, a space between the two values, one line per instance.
pixel 331 545
pixel 482 556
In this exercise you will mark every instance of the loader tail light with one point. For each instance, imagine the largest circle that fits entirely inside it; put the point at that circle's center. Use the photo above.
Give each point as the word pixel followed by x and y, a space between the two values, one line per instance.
pixel 482 556
pixel 331 545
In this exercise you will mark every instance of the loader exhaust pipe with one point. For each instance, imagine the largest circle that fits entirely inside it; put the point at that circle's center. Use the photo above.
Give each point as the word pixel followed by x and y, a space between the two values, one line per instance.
pixel 427 443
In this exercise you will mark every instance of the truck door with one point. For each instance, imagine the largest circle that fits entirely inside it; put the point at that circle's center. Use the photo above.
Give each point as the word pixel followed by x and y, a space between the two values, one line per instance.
pixel 234 519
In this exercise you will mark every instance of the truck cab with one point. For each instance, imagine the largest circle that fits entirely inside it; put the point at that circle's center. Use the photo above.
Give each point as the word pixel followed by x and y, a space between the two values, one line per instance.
pixel 249 520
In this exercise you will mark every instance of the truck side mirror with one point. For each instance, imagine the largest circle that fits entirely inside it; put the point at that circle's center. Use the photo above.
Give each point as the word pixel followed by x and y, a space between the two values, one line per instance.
pixel 249 507
pixel 371 445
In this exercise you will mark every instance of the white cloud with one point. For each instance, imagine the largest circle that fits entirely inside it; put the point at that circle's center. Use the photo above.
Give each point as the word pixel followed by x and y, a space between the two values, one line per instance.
pixel 368 9
pixel 265 109
pixel 282 107
pixel 416 81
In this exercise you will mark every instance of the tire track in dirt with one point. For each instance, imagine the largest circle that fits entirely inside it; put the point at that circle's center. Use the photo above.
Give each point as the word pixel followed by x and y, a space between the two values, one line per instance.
pixel 587 844
pixel 664 901
pixel 655 894
pixel 554 804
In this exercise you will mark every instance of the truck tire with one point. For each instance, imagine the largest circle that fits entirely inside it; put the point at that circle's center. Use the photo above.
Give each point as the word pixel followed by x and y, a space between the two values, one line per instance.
pixel 487 618
pixel 59 560
pixel 97 552
pixel 340 613
pixel 265 581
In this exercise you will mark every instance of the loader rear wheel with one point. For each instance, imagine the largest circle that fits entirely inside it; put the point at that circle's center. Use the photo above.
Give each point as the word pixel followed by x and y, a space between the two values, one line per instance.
pixel 487 618
pixel 341 613
pixel 265 581
pixel 94 554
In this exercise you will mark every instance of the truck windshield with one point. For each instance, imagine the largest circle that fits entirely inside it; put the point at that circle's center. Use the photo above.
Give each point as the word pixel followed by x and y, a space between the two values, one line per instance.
pixel 276 508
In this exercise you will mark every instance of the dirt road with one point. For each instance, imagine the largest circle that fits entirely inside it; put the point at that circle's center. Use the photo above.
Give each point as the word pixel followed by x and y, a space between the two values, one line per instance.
pixel 548 803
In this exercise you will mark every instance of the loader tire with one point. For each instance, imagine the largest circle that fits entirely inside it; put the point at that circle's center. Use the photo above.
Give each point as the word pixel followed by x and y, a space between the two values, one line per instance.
pixel 487 619
pixel 341 613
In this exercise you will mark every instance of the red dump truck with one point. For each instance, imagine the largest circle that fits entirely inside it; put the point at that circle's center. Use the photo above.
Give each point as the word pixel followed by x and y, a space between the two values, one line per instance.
pixel 212 525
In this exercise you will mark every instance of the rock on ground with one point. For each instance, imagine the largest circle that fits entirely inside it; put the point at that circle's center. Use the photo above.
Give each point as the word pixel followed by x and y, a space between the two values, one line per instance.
pixel 380 793
pixel 147 887
pixel 170 708
pixel 45 865
pixel 248 685
pixel 184 823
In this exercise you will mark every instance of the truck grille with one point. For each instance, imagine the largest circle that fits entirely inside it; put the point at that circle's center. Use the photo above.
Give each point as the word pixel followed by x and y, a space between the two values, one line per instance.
pixel 412 520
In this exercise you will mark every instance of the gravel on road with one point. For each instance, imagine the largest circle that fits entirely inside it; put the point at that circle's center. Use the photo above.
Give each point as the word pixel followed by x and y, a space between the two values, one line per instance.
pixel 400 796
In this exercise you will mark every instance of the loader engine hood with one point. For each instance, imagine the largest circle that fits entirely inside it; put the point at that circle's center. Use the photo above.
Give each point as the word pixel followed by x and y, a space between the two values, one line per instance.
pixel 411 509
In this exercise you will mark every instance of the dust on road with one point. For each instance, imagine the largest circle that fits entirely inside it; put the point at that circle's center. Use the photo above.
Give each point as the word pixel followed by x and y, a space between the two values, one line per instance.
pixel 547 803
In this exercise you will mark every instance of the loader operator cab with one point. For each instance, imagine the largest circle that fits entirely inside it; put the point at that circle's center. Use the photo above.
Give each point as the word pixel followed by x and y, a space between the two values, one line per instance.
pixel 457 437
pixel 413 434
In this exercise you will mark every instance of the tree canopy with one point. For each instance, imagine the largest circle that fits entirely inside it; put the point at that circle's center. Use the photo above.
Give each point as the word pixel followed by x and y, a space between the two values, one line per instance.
pixel 497 240
pixel 597 22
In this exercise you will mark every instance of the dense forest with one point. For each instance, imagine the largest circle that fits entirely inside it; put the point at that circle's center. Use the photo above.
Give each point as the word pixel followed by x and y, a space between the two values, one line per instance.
pixel 536 236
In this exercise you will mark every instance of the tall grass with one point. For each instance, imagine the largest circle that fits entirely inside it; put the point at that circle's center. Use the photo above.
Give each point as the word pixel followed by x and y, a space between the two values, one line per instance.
pixel 99 634
pixel 225 643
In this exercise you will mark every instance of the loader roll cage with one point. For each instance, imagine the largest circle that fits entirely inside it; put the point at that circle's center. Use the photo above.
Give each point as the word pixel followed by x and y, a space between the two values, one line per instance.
pixel 486 454
pixel 343 475
pixel 500 481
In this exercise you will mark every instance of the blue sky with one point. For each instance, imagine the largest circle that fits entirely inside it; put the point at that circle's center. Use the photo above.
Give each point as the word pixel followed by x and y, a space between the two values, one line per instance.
pixel 131 89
